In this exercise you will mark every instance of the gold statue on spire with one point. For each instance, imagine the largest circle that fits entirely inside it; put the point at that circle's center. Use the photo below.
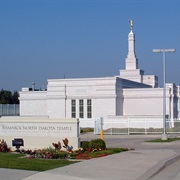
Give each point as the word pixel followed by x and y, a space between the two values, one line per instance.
pixel 131 24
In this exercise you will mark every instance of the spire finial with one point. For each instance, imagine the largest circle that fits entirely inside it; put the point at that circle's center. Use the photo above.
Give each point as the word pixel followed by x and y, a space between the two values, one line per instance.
pixel 131 24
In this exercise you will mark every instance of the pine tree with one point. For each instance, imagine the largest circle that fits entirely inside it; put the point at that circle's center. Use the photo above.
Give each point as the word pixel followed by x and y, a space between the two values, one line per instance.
pixel 6 97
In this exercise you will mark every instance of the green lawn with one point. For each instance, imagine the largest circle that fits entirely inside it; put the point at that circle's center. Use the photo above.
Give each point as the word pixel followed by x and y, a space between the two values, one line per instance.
pixel 168 140
pixel 14 161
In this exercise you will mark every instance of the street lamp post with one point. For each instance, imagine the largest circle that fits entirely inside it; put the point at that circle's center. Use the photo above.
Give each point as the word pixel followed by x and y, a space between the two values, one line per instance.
pixel 164 135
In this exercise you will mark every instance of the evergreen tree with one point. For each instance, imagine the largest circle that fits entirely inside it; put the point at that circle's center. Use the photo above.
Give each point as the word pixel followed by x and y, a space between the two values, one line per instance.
pixel 6 97
pixel 15 97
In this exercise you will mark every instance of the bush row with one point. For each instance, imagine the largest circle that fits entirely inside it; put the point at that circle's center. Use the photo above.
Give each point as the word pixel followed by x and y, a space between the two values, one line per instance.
pixel 93 144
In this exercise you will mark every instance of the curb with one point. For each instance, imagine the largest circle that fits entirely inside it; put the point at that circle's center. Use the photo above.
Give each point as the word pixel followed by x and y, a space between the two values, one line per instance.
pixel 158 167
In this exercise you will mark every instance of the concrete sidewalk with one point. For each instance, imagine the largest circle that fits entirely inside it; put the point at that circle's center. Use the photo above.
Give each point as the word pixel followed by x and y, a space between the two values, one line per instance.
pixel 127 165
pixel 140 164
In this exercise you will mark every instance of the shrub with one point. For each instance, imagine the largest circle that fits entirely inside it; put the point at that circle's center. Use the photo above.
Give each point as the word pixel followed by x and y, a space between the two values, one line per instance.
pixel 81 131
pixel 49 150
pixel 97 144
pixel 62 155
pixel 85 144
pixel 3 146
pixel 85 130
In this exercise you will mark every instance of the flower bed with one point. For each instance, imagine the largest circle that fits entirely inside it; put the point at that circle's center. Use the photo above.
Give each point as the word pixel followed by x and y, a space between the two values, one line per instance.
pixel 50 153
pixel 81 153
pixel 93 149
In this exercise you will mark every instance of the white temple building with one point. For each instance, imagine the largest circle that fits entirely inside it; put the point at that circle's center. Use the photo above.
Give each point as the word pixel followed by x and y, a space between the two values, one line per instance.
pixel 129 94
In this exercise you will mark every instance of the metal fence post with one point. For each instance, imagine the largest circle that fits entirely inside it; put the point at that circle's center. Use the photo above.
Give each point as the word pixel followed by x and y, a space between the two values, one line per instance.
pixel 128 125
pixel 7 108
pixel 14 109
pixel 1 110
pixel 101 121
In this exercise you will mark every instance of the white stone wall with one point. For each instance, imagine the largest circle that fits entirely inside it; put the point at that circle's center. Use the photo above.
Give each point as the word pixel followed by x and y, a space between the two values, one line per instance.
pixel 178 103
pixel 139 102
pixel 33 103
pixel 104 107
pixel 172 94
pixel 151 80
pixel 149 102
pixel 101 91
pixel 132 75
pixel 119 106
pixel 56 108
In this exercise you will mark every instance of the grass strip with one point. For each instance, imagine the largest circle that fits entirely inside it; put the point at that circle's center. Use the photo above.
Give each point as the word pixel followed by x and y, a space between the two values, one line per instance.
pixel 109 151
pixel 15 161
pixel 160 140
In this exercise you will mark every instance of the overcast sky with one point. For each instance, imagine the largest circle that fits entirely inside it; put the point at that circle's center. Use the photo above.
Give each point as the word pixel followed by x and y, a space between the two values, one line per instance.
pixel 45 39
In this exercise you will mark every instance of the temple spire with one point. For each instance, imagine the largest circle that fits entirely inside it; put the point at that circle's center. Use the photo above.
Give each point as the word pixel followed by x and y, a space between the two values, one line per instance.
pixel 131 60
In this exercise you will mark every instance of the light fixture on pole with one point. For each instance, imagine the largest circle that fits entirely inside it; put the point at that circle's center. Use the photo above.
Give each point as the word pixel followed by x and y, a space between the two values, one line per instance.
pixel 164 135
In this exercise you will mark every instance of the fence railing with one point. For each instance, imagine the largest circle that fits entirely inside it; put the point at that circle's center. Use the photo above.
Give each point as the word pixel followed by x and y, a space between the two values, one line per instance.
pixel 131 125
pixel 9 109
